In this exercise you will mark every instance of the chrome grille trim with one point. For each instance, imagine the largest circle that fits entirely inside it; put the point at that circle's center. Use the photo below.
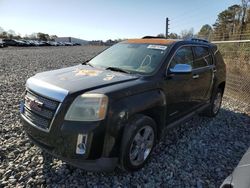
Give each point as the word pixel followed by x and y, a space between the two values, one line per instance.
pixel 48 103
pixel 44 112
pixel 43 119
pixel 35 119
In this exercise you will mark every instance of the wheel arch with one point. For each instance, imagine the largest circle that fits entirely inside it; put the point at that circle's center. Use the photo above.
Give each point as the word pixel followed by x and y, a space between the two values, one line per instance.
pixel 222 86
pixel 138 121
pixel 218 85
pixel 151 103
pixel 158 115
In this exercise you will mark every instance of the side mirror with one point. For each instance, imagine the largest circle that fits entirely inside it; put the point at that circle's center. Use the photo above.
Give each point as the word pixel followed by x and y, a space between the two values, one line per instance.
pixel 181 68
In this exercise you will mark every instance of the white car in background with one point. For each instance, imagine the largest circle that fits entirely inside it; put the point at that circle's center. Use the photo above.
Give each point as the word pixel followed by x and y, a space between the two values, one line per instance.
pixel 53 43
pixel 240 178
pixel 68 44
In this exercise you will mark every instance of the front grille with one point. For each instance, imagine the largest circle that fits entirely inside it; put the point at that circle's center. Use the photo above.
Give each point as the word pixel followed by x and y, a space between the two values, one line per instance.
pixel 43 115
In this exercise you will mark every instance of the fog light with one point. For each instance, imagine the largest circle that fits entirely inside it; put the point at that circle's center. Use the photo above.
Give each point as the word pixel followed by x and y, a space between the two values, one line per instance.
pixel 81 144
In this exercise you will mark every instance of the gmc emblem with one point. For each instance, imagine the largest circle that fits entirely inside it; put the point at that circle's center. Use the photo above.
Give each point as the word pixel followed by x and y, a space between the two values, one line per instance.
pixel 34 104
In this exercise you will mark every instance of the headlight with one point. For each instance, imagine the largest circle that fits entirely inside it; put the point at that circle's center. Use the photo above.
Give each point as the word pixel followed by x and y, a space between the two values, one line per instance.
pixel 88 107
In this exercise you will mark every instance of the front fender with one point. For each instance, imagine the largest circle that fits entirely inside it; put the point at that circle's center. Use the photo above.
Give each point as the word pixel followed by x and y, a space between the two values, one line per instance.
pixel 122 111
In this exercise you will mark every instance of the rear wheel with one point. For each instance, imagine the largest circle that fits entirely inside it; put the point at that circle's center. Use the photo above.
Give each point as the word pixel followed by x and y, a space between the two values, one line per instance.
pixel 137 143
pixel 215 105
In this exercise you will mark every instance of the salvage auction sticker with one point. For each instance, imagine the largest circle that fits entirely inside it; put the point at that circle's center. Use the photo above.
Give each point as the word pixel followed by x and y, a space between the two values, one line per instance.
pixel 157 47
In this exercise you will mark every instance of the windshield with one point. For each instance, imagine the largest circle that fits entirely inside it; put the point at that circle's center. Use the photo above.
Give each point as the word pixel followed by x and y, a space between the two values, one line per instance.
pixel 133 58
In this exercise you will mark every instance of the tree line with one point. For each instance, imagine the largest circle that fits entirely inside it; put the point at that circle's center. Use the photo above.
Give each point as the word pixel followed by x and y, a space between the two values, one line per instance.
pixel 231 24
pixel 11 34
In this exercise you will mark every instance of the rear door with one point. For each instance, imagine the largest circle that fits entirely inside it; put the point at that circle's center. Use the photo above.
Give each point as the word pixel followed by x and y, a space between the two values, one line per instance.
pixel 202 74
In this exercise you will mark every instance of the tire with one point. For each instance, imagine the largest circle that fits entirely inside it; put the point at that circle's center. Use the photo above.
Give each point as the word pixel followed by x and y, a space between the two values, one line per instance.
pixel 215 104
pixel 139 138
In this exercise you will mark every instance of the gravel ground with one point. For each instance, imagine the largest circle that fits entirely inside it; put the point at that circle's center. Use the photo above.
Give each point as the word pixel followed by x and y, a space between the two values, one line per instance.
pixel 200 153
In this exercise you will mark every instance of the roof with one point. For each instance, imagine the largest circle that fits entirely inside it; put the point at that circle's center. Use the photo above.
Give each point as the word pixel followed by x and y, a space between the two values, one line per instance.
pixel 151 41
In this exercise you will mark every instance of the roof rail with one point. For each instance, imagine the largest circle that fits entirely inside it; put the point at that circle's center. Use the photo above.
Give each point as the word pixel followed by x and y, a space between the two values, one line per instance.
pixel 198 40
pixel 152 37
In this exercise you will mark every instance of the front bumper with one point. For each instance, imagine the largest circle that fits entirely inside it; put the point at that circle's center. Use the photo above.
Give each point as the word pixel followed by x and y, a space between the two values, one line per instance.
pixel 101 164
pixel 61 143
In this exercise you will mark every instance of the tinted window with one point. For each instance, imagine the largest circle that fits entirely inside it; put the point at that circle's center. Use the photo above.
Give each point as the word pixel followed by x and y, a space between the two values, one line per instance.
pixel 183 56
pixel 202 57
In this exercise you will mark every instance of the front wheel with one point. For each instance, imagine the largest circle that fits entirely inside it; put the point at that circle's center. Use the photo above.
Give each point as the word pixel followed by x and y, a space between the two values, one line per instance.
pixel 138 140
pixel 215 105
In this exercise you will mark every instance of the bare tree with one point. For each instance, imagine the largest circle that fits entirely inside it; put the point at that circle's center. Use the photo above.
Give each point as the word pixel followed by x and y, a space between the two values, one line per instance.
pixel 11 32
pixel 185 34
pixel 161 35
pixel 244 12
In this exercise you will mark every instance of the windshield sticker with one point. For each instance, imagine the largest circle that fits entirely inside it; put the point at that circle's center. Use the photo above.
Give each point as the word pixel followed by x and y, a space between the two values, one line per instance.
pixel 83 72
pixel 157 47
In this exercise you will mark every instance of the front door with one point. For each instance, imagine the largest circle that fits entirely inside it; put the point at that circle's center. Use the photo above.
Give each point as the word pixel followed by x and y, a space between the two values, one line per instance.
pixel 179 88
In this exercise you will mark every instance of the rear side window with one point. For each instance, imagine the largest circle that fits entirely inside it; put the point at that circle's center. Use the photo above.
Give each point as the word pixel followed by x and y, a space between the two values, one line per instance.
pixel 202 57
pixel 183 56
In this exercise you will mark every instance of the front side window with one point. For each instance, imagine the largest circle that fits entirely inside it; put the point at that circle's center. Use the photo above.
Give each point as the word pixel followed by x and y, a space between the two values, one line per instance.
pixel 183 56
pixel 202 57
pixel 132 57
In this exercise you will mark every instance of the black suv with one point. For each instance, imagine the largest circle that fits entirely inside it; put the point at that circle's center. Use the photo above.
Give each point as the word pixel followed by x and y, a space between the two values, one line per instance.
pixel 111 110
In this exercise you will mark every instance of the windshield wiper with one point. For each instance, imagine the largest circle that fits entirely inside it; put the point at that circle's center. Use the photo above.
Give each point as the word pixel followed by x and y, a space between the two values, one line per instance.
pixel 117 69
pixel 87 63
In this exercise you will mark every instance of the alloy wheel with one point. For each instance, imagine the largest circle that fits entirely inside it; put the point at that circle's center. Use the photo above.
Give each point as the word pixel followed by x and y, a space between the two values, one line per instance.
pixel 142 145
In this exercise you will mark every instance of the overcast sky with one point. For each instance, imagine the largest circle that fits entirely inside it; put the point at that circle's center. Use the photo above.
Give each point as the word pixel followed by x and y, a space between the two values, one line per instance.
pixel 110 19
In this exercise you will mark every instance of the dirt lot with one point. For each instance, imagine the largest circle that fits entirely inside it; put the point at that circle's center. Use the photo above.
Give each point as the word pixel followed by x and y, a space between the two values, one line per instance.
pixel 199 153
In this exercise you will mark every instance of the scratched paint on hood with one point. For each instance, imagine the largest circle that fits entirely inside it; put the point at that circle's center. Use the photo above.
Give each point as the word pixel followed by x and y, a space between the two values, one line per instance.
pixel 82 77
pixel 109 77
pixel 87 72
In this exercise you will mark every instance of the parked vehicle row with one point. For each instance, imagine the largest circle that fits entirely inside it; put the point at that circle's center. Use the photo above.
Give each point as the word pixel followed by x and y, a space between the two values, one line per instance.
pixel 23 43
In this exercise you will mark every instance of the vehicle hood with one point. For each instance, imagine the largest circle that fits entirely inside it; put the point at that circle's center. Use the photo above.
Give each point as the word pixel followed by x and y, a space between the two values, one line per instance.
pixel 77 78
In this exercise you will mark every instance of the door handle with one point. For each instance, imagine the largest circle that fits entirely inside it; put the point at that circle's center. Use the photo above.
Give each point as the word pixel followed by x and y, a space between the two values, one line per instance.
pixel 195 76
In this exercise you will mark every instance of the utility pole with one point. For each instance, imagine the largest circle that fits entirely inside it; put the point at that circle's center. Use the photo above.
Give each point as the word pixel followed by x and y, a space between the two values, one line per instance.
pixel 167 28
